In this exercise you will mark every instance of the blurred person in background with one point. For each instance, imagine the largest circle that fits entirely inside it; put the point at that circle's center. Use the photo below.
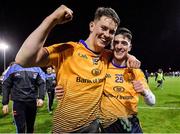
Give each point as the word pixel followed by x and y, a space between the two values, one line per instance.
pixel 50 87
pixel 159 78
pixel 26 88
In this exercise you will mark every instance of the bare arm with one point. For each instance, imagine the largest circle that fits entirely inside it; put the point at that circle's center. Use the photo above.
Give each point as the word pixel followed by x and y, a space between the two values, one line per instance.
pixel 32 52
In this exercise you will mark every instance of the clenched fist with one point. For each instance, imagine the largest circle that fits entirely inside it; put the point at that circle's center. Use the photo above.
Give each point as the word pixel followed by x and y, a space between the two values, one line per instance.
pixel 39 102
pixel 138 86
pixel 62 15
pixel 5 109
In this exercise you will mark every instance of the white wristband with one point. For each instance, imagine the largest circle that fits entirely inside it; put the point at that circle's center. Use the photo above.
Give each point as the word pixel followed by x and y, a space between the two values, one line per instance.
pixel 149 97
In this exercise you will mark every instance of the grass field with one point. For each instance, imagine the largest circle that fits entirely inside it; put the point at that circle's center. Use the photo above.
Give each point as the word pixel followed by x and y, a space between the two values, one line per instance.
pixel 164 117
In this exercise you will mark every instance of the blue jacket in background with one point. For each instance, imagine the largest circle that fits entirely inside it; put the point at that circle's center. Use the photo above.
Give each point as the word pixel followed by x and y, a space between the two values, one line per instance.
pixel 23 84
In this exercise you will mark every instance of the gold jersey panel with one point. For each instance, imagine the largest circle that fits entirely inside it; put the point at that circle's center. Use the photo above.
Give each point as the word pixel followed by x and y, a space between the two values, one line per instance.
pixel 119 98
pixel 82 75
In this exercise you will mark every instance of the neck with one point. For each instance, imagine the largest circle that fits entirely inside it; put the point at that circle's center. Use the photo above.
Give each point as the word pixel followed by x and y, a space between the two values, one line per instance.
pixel 121 62
pixel 91 45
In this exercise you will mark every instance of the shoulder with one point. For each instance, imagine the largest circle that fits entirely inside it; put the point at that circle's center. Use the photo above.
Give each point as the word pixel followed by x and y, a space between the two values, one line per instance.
pixel 37 69
pixel 138 73
pixel 10 70
pixel 61 46
pixel 138 70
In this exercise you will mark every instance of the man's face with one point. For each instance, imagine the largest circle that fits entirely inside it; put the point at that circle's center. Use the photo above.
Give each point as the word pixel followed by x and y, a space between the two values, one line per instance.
pixel 122 46
pixel 103 31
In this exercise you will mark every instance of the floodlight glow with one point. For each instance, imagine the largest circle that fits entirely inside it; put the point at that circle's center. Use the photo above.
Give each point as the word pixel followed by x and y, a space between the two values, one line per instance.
pixel 3 46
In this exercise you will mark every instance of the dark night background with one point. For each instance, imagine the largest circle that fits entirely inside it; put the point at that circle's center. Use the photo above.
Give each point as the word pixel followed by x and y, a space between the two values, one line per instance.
pixel 155 25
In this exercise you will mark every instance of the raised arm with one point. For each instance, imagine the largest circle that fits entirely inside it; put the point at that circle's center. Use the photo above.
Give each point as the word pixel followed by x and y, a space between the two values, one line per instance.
pixel 32 52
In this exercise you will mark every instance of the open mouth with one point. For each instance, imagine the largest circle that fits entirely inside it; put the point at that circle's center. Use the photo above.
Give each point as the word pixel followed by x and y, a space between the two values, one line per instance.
pixel 120 51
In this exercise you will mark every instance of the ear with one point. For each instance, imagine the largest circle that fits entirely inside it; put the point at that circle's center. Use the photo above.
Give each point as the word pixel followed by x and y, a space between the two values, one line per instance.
pixel 130 47
pixel 91 26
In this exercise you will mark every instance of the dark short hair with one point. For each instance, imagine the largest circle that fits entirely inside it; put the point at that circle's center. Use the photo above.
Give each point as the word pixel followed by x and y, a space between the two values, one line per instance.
pixel 108 12
pixel 124 31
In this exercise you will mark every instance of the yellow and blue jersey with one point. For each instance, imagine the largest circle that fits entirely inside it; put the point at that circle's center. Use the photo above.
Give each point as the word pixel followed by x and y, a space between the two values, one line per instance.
pixel 81 72
pixel 119 98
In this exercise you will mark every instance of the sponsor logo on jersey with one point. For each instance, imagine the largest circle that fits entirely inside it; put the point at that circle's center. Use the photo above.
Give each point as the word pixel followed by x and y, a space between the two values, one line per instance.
pixel 119 96
pixel 108 75
pixel 83 56
pixel 82 80
pixel 96 72
pixel 118 89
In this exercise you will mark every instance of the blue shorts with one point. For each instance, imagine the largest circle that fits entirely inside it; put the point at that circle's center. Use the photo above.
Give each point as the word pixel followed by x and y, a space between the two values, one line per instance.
pixel 129 125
